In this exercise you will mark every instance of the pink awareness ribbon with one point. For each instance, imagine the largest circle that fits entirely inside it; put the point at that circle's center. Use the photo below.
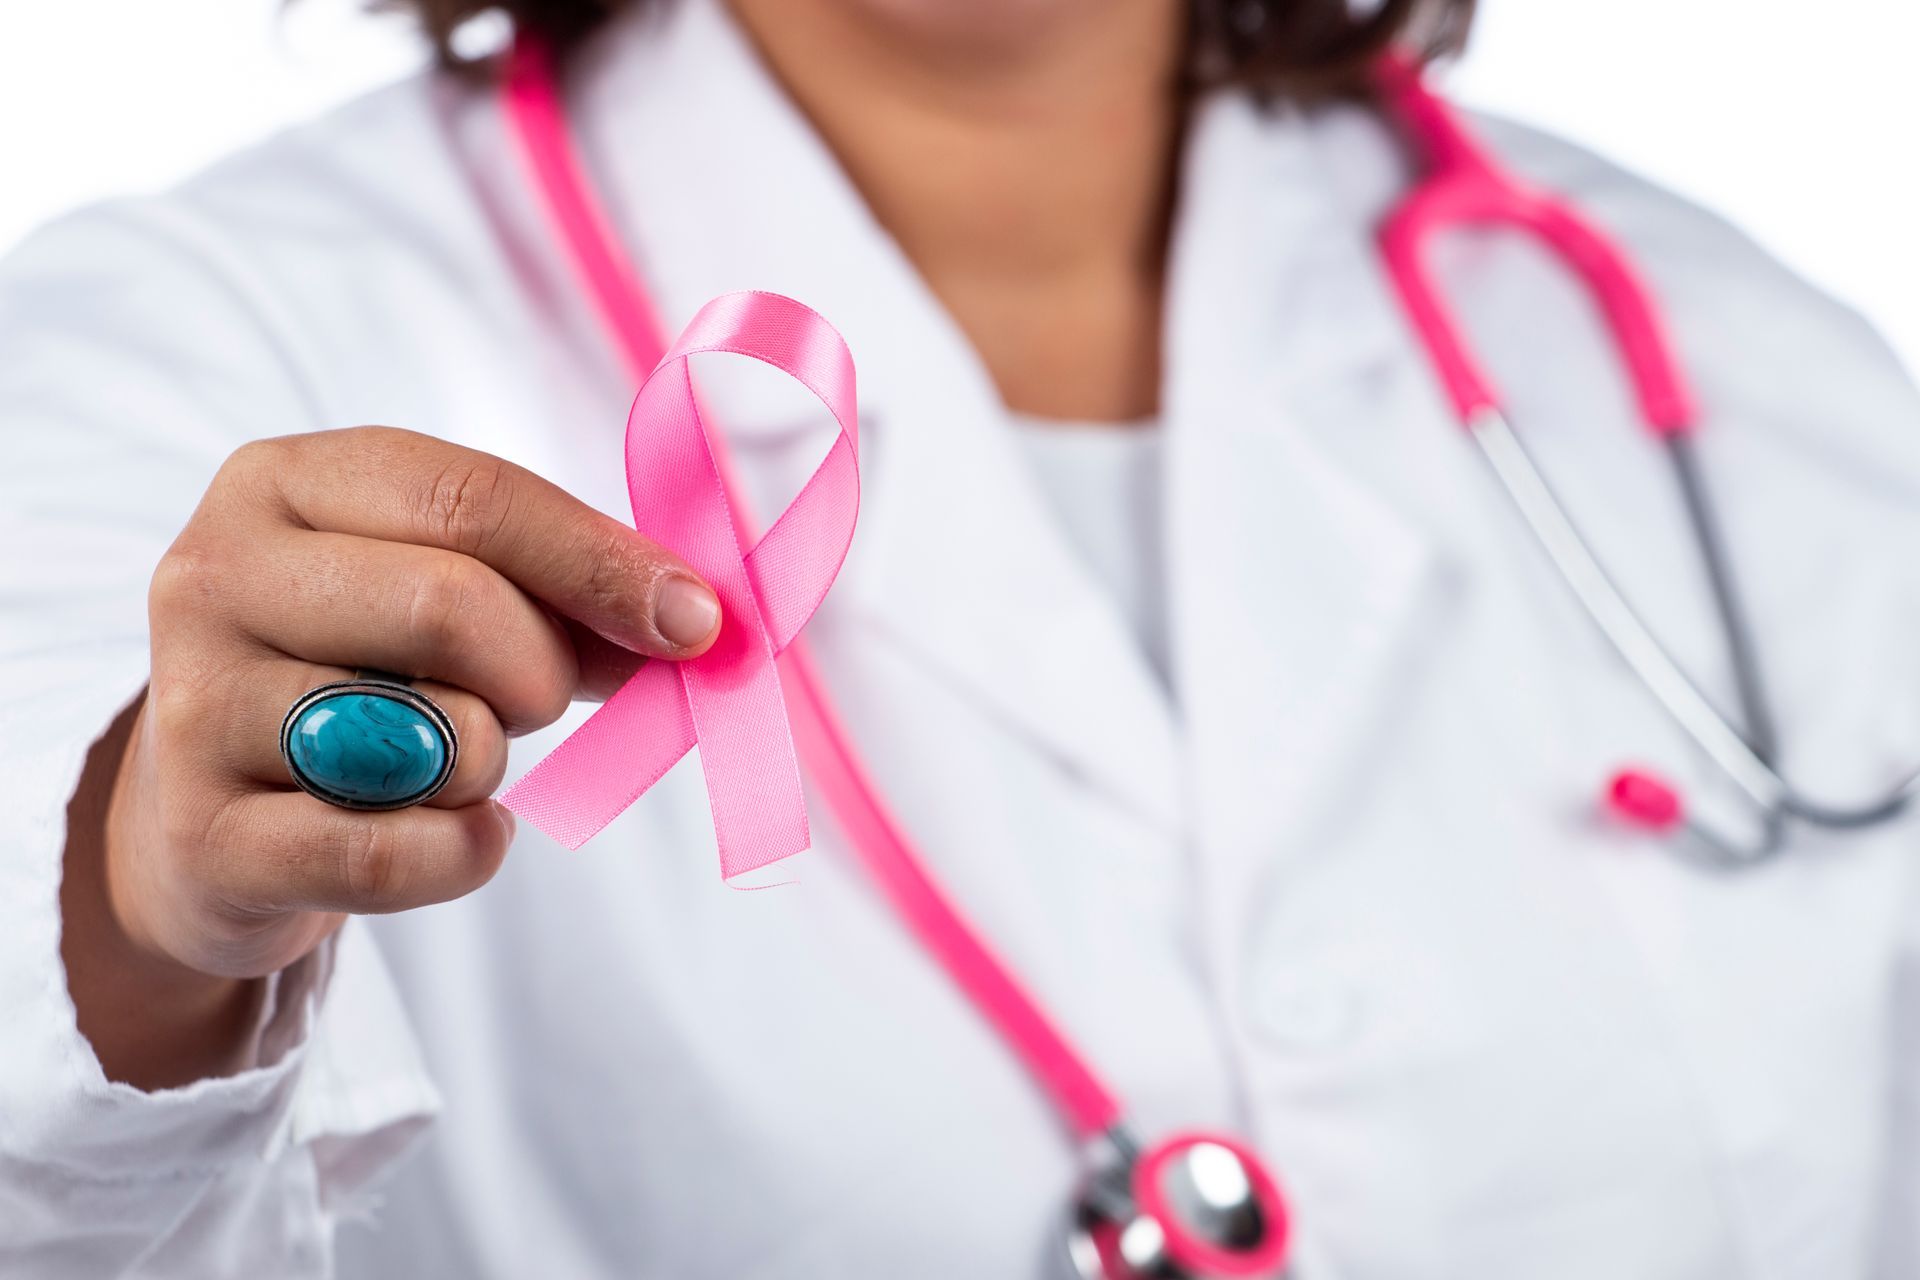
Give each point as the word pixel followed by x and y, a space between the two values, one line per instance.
pixel 729 699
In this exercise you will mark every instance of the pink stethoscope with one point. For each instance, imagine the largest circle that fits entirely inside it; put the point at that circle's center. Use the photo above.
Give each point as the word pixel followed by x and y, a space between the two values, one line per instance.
pixel 1199 1204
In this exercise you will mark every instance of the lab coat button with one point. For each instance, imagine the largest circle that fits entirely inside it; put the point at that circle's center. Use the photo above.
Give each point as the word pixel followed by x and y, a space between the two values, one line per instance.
pixel 1302 1013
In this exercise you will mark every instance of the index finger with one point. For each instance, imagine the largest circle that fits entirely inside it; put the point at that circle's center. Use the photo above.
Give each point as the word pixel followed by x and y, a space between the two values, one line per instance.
pixel 400 486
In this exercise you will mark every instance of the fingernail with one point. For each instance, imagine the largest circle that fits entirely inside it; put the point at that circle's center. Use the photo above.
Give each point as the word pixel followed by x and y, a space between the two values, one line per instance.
pixel 686 612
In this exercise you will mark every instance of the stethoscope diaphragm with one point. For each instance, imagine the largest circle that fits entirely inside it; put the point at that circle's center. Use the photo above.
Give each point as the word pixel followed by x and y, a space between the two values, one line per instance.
pixel 1197 1206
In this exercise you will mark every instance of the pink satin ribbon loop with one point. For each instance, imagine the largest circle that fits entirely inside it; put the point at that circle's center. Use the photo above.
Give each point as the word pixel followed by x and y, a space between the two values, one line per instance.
pixel 728 700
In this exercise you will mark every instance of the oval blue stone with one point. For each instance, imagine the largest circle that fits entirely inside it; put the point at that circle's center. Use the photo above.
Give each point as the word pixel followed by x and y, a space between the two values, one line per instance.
pixel 367 748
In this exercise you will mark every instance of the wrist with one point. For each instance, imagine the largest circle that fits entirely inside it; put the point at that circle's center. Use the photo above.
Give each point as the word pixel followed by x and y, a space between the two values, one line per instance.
pixel 152 1020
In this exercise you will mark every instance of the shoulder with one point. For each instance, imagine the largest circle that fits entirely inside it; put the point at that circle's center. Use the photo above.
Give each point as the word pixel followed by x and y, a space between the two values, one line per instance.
pixel 397 167
pixel 396 159
pixel 330 252
pixel 389 181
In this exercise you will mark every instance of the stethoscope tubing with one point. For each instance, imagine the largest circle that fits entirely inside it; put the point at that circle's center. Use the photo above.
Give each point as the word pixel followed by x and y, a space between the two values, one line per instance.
pixel 1756 712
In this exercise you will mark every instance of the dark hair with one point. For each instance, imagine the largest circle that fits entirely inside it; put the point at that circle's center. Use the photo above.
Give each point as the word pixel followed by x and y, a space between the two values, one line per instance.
pixel 1300 49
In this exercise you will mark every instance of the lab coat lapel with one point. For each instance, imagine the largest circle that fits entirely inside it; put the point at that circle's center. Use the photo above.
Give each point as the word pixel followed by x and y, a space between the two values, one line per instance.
pixel 1296 582
pixel 956 558
pixel 970 571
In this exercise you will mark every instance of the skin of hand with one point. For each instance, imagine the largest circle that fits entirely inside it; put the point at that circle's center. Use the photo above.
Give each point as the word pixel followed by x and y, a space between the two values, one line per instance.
pixel 193 865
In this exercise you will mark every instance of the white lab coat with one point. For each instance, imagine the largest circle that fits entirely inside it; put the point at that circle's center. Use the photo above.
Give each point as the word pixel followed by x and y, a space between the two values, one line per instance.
pixel 1343 891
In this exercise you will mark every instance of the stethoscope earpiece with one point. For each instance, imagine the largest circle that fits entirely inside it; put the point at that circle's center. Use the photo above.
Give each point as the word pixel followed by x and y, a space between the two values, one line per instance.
pixel 1197 1206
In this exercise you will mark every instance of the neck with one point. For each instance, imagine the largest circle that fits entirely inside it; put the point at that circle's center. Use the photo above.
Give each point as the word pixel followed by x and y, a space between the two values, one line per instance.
pixel 1025 168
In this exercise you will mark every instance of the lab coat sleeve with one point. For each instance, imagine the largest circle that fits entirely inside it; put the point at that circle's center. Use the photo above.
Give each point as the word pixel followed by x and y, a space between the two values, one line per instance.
pixel 134 356
pixel 1898 1243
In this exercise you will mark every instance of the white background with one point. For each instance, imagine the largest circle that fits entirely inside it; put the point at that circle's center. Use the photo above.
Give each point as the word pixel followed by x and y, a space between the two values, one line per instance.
pixel 1797 118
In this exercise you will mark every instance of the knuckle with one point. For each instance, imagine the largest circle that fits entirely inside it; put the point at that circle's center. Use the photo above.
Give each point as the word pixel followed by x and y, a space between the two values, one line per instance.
pixel 447 602
pixel 255 457
pixel 464 503
pixel 484 840
pixel 253 471
pixel 188 826
pixel 533 700
pixel 372 437
pixel 489 853
pixel 483 748
pixel 177 707
pixel 386 445
pixel 241 869
pixel 550 699
pixel 619 577
pixel 189 576
pixel 371 865
pixel 545 674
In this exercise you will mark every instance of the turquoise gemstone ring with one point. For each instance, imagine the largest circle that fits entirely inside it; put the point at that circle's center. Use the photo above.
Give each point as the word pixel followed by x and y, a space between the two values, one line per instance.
pixel 371 742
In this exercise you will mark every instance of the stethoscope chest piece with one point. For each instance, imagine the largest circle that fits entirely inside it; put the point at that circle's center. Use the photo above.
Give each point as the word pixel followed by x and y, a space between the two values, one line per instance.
pixel 1197 1206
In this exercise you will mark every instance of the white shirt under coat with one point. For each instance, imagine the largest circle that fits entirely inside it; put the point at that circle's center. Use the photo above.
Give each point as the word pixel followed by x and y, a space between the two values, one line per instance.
pixel 1335 884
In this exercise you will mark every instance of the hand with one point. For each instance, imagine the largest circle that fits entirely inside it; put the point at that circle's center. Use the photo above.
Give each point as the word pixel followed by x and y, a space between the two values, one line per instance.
pixel 311 556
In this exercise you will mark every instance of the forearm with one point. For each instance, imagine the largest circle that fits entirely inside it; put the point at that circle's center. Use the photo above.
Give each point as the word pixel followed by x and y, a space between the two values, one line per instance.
pixel 153 1022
